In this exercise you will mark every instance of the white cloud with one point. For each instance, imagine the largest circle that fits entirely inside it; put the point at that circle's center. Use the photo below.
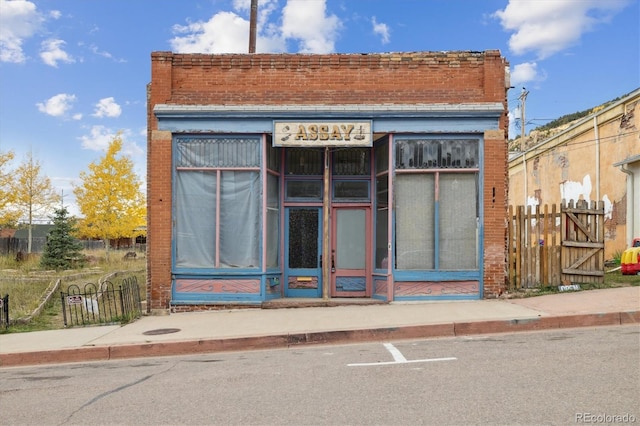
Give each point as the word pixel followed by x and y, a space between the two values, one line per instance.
pixel 307 22
pixel 548 27
pixel 51 52
pixel 381 29
pixel 228 32
pixel 55 14
pixel 225 32
pixel 107 107
pixel 526 72
pixel 104 54
pixel 58 105
pixel 19 20
pixel 100 137
pixel 243 5
pixel 302 21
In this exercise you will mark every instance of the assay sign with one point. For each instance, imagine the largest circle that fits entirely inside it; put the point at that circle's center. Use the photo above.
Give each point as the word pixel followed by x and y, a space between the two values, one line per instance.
pixel 333 133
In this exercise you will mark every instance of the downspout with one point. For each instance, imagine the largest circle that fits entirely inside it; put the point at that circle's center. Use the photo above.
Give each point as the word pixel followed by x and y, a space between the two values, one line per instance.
pixel 630 204
pixel 525 177
pixel 595 130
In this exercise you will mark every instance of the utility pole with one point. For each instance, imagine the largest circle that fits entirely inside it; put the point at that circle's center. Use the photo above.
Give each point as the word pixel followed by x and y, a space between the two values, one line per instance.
pixel 523 99
pixel 252 26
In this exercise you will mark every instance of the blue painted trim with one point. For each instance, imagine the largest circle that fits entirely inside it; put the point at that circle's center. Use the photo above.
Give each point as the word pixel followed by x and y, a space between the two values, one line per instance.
pixel 448 123
pixel 272 296
pixel 298 292
pixel 312 272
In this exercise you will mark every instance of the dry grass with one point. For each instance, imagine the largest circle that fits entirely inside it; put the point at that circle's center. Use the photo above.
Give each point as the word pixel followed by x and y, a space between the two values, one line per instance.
pixel 26 284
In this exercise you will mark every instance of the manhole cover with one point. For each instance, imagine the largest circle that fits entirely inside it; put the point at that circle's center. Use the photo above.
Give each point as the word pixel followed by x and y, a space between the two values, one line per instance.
pixel 161 331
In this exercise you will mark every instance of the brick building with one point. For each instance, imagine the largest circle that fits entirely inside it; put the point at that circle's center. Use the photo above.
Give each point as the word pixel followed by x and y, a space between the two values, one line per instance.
pixel 342 175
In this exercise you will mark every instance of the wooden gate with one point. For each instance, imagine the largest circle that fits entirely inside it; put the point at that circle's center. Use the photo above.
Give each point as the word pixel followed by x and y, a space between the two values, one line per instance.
pixel 551 246
pixel 582 242
pixel 533 249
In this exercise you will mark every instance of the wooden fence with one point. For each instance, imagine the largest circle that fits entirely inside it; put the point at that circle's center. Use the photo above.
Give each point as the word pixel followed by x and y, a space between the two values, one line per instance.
pixel 555 245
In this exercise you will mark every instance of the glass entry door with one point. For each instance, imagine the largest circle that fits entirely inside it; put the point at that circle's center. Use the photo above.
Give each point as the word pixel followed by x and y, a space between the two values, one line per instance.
pixel 303 252
pixel 350 264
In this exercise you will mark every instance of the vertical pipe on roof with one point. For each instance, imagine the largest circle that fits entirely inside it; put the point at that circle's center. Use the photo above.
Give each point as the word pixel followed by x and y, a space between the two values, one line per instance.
pixel 253 19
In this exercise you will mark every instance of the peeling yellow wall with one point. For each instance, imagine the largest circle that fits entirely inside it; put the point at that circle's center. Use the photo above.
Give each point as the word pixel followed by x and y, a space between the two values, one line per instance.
pixel 578 164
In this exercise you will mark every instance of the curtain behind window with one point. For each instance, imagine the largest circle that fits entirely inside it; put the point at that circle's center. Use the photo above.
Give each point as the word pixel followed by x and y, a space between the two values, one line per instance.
pixel 195 219
pixel 458 221
pixel 415 194
pixel 240 220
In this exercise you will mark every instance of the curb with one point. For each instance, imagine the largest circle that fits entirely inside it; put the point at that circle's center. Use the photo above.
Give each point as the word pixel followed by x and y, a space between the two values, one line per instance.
pixel 283 341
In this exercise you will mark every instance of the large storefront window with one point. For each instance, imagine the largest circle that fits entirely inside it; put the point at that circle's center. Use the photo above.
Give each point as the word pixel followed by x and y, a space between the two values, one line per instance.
pixel 217 201
pixel 437 212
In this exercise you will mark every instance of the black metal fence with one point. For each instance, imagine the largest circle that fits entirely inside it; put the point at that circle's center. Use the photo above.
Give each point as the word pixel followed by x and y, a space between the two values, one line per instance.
pixel 4 311
pixel 101 304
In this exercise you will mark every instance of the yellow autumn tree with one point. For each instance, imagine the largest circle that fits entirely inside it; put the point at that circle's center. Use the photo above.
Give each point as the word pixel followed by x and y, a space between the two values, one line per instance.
pixel 8 216
pixel 110 198
pixel 34 197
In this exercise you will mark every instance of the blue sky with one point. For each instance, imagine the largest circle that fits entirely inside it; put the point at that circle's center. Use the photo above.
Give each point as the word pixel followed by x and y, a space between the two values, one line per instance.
pixel 74 73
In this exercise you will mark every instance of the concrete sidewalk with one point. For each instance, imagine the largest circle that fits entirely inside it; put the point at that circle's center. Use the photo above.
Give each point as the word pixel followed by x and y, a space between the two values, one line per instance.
pixel 242 329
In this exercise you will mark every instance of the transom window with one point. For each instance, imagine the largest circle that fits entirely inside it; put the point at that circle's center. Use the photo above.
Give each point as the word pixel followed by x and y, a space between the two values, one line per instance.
pixel 437 154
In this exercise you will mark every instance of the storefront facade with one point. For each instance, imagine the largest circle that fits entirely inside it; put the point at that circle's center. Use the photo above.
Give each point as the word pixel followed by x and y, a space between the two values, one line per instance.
pixel 325 176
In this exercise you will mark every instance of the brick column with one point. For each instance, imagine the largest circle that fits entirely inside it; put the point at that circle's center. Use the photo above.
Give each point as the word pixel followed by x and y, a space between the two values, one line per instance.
pixel 495 212
pixel 159 220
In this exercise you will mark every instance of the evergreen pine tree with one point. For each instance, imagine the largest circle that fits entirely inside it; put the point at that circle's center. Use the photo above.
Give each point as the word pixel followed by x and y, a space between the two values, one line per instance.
pixel 62 250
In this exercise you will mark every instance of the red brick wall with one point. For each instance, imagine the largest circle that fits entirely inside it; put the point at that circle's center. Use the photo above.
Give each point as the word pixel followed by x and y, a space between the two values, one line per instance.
pixel 398 78
pixel 273 79
pixel 495 209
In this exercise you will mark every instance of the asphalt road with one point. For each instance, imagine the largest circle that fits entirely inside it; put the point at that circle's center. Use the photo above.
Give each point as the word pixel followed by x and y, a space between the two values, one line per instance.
pixel 573 376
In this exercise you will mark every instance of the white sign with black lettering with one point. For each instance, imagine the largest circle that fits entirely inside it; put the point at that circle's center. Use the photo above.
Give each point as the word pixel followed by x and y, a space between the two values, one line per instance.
pixel 322 133
pixel 75 300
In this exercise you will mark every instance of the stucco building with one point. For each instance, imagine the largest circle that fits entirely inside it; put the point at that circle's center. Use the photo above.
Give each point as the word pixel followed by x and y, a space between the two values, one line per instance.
pixel 596 158
pixel 324 176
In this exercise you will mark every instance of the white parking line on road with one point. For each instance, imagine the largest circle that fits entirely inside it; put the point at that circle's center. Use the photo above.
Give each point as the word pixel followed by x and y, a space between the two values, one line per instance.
pixel 398 358
pixel 395 353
